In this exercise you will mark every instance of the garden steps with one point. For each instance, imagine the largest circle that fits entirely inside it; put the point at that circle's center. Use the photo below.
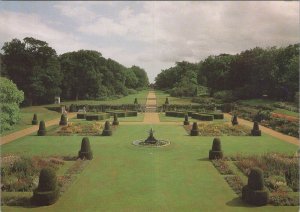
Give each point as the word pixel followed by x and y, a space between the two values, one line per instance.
pixel 13 136
pixel 283 137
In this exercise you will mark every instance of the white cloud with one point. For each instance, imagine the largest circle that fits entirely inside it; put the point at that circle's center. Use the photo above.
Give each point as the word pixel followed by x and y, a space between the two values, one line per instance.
pixel 155 35
pixel 20 25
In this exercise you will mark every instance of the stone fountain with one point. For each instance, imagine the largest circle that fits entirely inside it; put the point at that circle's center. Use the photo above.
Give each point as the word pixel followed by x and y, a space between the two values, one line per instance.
pixel 151 141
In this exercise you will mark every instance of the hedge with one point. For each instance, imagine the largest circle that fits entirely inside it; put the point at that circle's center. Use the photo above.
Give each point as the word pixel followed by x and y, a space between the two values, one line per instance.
pixel 123 113
pixel 119 113
pixel 175 114
pixel 131 113
pixel 202 117
pixel 189 107
pixel 81 115
pixel 108 107
pixel 100 116
pixel 217 115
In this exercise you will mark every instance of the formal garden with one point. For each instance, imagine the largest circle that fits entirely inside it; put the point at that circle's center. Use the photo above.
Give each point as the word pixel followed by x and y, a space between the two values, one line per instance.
pixel 116 143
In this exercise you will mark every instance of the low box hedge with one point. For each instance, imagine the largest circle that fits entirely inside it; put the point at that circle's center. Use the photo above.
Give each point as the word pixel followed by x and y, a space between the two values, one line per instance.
pixel 99 116
pixel 175 114
pixel 202 117
pixel 217 115
pixel 131 113
pixel 123 113
pixel 119 113
pixel 81 115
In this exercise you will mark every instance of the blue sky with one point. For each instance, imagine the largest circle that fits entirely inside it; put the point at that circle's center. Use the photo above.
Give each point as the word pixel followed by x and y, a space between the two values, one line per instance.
pixel 152 35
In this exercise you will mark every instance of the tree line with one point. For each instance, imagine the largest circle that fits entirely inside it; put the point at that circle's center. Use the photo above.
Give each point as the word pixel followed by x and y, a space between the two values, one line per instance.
pixel 41 74
pixel 250 74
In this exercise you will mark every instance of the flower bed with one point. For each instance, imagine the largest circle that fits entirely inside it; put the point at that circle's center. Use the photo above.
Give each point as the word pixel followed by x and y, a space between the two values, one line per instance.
pixel 281 172
pixel 93 128
pixel 219 129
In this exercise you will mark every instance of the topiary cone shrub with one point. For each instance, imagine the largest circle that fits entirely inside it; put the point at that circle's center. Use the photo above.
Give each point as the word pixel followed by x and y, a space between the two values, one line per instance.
pixel 115 122
pixel 254 192
pixel 255 131
pixel 42 129
pixel 195 129
pixel 186 120
pixel 73 108
pixel 135 101
pixel 216 150
pixel 34 120
pixel 47 191
pixel 85 151
pixel 167 101
pixel 107 131
pixel 63 120
pixel 234 120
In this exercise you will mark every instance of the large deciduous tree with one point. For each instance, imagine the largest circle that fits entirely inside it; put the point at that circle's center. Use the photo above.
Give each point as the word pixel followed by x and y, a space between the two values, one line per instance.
pixel 10 97
pixel 34 67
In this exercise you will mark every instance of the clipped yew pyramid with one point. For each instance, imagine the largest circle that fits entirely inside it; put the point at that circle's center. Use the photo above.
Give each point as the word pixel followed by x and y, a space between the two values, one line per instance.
pixel 167 101
pixel 34 120
pixel 186 120
pixel 254 192
pixel 42 129
pixel 234 120
pixel 216 150
pixel 107 130
pixel 85 151
pixel 195 129
pixel 63 120
pixel 115 122
pixel 47 191
pixel 255 131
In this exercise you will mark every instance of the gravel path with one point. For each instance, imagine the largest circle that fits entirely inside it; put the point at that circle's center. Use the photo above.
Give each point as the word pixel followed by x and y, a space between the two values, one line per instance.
pixel 13 136
pixel 151 117
pixel 268 131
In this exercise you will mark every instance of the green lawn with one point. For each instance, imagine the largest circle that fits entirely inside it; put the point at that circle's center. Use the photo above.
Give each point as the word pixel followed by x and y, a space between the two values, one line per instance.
pixel 26 116
pixel 286 112
pixel 161 98
pixel 257 102
pixel 124 177
pixel 46 115
pixel 141 97
pixel 267 102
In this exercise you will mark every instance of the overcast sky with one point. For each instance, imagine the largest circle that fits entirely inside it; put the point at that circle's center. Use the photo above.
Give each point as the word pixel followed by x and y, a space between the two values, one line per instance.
pixel 152 35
